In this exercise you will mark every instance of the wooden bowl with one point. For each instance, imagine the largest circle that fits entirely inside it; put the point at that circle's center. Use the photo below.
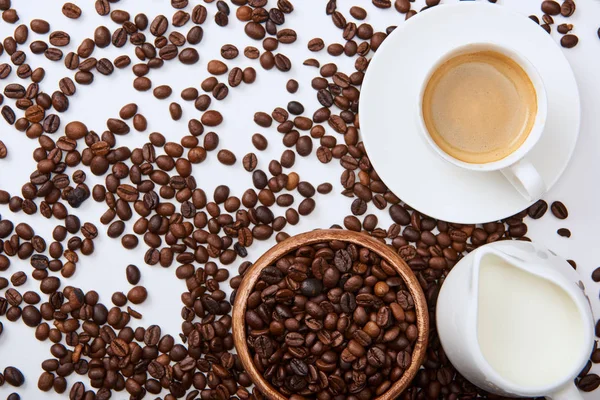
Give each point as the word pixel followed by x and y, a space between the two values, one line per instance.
pixel 318 236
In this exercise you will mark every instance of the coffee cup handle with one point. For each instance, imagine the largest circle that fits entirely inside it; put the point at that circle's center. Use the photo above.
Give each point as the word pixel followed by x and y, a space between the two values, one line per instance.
pixel 526 179
pixel 567 392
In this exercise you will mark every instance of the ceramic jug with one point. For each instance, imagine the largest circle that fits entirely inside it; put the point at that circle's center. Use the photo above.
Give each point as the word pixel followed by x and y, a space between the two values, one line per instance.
pixel 459 322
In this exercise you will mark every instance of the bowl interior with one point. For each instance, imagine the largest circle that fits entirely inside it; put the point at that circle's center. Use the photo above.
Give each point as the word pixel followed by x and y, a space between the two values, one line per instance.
pixel 318 236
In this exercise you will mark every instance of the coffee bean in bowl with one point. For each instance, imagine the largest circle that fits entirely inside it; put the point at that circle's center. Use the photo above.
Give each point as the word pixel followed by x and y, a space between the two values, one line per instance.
pixel 330 314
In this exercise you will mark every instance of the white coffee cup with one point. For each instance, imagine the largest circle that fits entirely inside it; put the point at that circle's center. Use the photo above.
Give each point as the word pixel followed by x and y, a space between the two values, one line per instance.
pixel 457 319
pixel 516 167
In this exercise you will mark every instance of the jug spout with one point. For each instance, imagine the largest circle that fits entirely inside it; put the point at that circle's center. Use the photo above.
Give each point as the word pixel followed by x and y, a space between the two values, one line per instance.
pixel 487 254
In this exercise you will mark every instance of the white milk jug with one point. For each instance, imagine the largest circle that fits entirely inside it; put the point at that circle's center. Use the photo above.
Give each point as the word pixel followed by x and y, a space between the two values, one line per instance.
pixel 514 320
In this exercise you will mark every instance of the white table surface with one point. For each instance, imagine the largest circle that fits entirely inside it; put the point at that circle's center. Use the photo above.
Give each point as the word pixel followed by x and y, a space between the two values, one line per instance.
pixel 104 271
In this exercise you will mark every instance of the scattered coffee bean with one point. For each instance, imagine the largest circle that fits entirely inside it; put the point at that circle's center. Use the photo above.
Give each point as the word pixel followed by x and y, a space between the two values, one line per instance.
pixel 589 383
pixel 263 119
pixel 537 209
pixel 569 41
pixel 564 232
pixel 39 26
pixel 162 92
pixel 358 12
pixel 3 150
pixel 567 8
pixel 564 28
pixel 13 376
pixel 137 295
pixel 316 44
pixel 189 56
pixel 226 157
pixel 71 10
pixel 259 141
pixel 559 210
pixel 292 86
pixel 249 162
pixel 551 7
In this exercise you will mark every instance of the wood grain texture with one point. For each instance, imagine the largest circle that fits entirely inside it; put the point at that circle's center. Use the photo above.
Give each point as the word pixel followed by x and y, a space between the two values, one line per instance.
pixel 317 236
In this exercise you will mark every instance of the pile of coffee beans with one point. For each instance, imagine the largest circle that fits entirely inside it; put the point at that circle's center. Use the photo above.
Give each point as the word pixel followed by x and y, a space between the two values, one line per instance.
pixel 150 187
pixel 331 320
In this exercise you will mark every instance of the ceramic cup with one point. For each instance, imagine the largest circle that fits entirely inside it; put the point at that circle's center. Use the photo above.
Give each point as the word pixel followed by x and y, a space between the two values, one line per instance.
pixel 457 319
pixel 519 171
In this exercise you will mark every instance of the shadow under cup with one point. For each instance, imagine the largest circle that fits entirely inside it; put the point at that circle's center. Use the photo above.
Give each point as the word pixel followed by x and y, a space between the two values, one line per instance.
pixel 538 124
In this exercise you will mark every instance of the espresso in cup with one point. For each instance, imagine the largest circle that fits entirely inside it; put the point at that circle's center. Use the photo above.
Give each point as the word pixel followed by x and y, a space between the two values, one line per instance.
pixel 479 107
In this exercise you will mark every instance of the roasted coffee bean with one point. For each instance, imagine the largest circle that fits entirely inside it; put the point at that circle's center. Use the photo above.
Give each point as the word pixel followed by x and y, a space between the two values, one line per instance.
pixel 10 15
pixel 248 75
pixel 71 10
pixel 399 215
pixel 226 157
pixel 249 162
pixel 122 61
pixel 316 44
pixel 137 295
pixel 189 94
pixel 551 7
pixel 39 26
pixel 8 114
pixel 286 36
pixel 5 70
pixel 159 25
pixel 229 51
pixel 259 141
pixel 568 41
pixel 189 56
pixel 235 77
pixel 559 210
pixel 211 118
pixel 567 8
pixel 221 18
pixel 282 62
pixel 564 28
pixel 588 383
pixel 358 13
pixel 292 86
pixel 45 381
pixel 538 209
pixel 216 67
pixel 162 92
pixel 564 232
pixel 263 119
pixel 13 376
pixel 59 38
pixel 251 52
pixel 21 34
pixel 255 30
pixel 267 60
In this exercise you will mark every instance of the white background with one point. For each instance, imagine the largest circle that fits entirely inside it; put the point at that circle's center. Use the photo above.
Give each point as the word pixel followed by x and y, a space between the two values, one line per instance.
pixel 104 271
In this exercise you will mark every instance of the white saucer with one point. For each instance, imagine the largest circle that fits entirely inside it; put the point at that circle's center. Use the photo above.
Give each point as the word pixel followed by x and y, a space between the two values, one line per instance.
pixel 388 112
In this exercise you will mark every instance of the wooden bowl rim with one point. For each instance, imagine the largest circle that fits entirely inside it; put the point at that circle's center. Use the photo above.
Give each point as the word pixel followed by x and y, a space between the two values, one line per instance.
pixel 252 275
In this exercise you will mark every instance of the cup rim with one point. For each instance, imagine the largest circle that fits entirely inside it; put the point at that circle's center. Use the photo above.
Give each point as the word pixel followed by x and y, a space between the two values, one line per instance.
pixel 540 119
pixel 317 236
pixel 485 366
